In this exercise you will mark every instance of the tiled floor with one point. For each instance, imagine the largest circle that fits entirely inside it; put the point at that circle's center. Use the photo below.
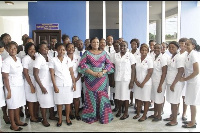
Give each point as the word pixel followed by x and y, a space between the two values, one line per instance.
pixel 128 125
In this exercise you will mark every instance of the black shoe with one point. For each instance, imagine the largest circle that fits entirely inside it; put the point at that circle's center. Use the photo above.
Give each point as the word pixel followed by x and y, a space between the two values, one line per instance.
pixel 123 118
pixel 70 123
pixel 40 119
pixel 156 119
pixel 187 122
pixel 169 124
pixel 63 113
pixel 7 122
pixel 19 129
pixel 72 117
pixel 186 126
pixel 58 125
pixel 78 118
pixel 47 125
pixel 25 124
pixel 140 120
pixel 118 114
pixel 115 110
pixel 112 102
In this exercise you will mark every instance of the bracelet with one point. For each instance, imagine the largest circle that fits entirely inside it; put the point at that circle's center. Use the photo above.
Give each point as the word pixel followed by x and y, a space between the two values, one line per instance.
pixel 103 72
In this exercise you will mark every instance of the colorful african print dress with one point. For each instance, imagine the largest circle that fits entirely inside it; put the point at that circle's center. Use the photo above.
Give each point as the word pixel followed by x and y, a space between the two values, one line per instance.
pixel 97 105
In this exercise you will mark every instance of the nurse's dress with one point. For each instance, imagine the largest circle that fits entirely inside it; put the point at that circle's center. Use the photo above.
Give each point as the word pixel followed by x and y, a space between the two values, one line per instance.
pixel 192 95
pixel 2 97
pixel 158 64
pixel 173 64
pixel 16 82
pixel 75 62
pixel 45 100
pixel 143 94
pixel 27 63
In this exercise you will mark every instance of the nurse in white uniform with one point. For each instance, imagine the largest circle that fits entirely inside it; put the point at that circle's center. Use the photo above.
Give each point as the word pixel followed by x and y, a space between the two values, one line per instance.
pixel 62 76
pixel 14 86
pixel 158 82
pixel 175 71
pixel 111 76
pixel 44 86
pixel 192 77
pixel 75 59
pixel 2 97
pixel 135 43
pixel 124 63
pixel 29 84
pixel 142 91
pixel 183 53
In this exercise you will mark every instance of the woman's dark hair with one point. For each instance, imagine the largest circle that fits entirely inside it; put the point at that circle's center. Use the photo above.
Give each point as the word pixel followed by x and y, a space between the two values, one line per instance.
pixel 194 42
pixel 145 46
pixel 175 43
pixel 68 45
pixel 58 44
pixel 90 47
pixel 116 41
pixel 182 40
pixel 3 35
pixel 124 42
pixel 137 41
pixel 39 45
pixel 12 43
pixel 26 39
pixel 64 36
pixel 27 46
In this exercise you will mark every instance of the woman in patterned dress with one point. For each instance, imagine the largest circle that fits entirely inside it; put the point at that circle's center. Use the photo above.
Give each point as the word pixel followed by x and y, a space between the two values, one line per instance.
pixel 96 65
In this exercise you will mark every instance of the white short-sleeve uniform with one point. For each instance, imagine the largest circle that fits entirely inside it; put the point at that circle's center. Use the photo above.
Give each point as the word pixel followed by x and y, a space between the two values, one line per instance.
pixel 63 80
pixel 75 62
pixel 2 97
pixel 183 55
pixel 16 82
pixel 137 54
pixel 52 54
pixel 158 64
pixel 143 94
pixel 27 63
pixel 45 100
pixel 112 57
pixel 123 75
pixel 192 95
pixel 173 64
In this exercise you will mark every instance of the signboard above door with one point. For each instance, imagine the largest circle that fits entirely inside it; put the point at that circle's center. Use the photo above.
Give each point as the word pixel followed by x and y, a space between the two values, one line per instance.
pixel 47 26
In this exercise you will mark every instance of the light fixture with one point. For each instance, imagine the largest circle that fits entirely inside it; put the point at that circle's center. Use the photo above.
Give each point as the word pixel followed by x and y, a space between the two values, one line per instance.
pixel 9 2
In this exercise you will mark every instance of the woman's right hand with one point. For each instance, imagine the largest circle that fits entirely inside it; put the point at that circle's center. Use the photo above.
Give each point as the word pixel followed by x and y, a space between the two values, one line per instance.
pixel 32 89
pixel 9 94
pixel 95 74
pixel 56 90
pixel 44 91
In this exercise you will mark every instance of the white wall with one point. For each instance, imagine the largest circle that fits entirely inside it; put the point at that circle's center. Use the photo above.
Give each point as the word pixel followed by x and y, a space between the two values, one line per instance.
pixel 16 26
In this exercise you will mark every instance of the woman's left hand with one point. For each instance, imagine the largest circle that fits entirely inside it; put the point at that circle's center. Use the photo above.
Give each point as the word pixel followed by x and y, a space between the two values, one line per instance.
pixel 100 74
pixel 74 87
pixel 172 87
pixel 182 79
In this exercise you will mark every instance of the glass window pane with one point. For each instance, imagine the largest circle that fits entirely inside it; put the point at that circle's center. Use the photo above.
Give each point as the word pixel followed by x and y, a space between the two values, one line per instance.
pixel 96 19
pixel 171 21
pixel 112 19
pixel 155 20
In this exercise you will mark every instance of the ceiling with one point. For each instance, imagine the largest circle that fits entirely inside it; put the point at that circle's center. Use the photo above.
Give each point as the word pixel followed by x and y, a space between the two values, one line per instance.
pixel 17 5
pixel 96 11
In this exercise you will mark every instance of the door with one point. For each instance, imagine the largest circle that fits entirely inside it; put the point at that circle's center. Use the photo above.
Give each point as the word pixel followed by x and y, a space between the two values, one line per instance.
pixel 39 35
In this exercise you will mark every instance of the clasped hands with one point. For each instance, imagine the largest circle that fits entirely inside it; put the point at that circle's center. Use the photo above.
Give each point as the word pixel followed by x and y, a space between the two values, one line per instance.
pixel 97 74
